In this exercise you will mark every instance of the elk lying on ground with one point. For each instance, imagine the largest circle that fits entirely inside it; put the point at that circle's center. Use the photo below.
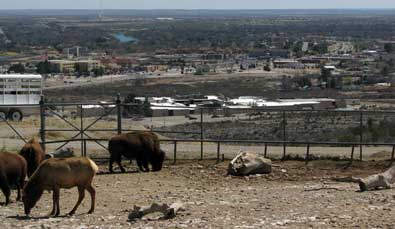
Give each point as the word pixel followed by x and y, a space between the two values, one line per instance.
pixel 13 170
pixel 34 155
pixel 56 173
pixel 142 145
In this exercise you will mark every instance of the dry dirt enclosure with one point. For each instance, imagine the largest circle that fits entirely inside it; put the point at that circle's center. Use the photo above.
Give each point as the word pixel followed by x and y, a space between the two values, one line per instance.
pixel 294 196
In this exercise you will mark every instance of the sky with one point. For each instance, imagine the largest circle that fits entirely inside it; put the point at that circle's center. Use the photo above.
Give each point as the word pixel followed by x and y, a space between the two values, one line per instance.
pixel 196 4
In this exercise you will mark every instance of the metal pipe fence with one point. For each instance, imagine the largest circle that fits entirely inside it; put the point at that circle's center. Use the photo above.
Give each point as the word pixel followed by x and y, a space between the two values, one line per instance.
pixel 285 115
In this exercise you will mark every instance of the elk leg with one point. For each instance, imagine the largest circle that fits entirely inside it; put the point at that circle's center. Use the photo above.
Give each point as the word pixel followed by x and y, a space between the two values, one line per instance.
pixel 111 162
pixel 145 165
pixel 7 192
pixel 53 204
pixel 56 209
pixel 92 192
pixel 5 188
pixel 18 187
pixel 145 162
pixel 120 165
pixel 140 164
pixel 81 195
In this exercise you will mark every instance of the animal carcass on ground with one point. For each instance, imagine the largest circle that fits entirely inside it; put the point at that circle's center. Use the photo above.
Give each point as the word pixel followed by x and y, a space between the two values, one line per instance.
pixel 56 173
pixel 143 146
pixel 13 169
pixel 248 163
pixel 33 154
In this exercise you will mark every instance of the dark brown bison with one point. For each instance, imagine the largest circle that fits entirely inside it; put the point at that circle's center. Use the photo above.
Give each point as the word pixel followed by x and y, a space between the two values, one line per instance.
pixel 56 173
pixel 33 154
pixel 141 145
pixel 13 170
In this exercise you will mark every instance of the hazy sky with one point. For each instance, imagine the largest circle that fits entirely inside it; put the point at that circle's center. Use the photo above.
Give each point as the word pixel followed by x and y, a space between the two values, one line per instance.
pixel 195 4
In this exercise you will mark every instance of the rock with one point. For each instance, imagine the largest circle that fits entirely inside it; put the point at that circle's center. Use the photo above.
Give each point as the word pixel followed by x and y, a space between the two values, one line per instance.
pixel 61 153
pixel 249 163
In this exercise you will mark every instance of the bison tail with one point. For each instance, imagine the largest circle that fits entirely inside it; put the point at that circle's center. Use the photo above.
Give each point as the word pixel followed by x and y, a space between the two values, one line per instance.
pixel 94 166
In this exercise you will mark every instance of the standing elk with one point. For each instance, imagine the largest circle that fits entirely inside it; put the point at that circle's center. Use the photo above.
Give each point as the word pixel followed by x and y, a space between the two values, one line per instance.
pixel 33 154
pixel 13 170
pixel 56 173
pixel 140 145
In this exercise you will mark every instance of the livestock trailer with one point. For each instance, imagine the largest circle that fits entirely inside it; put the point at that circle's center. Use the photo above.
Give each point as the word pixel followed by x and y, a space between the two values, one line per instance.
pixel 20 96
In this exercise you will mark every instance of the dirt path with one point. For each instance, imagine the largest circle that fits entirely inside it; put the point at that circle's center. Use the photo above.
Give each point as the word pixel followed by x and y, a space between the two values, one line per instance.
pixel 213 200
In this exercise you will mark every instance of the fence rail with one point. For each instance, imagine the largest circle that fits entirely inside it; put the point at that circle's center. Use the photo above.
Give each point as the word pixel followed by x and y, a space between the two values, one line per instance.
pixel 308 144
pixel 82 128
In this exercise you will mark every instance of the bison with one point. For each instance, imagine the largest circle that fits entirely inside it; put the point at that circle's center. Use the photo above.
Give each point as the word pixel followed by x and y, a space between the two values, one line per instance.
pixel 33 154
pixel 56 173
pixel 141 145
pixel 13 170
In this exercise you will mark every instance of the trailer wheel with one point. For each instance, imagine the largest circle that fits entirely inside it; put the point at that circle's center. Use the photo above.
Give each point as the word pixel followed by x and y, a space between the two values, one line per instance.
pixel 3 116
pixel 15 115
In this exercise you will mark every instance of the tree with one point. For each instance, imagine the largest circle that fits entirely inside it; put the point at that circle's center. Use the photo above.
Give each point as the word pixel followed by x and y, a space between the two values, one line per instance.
pixel 389 48
pixel 147 108
pixel 267 68
pixel 325 74
pixel 321 48
pixel 44 67
pixel 385 70
pixel 332 83
pixel 98 71
pixel 303 81
pixel 17 68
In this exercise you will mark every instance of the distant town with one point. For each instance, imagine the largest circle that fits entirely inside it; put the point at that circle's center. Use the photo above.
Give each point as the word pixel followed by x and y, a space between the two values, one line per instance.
pixel 298 58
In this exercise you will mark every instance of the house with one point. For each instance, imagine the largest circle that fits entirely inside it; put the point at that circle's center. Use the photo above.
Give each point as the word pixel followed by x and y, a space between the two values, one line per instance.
pixel 288 63
pixel 270 53
pixel 166 106
pixel 63 66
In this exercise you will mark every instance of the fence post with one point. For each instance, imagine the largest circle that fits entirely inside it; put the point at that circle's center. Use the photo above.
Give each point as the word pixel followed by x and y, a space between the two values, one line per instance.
pixel 42 122
pixel 218 151
pixel 84 148
pixel 175 153
pixel 307 154
pixel 82 130
pixel 284 135
pixel 392 155
pixel 201 134
pixel 352 154
pixel 119 114
pixel 360 135
pixel 265 154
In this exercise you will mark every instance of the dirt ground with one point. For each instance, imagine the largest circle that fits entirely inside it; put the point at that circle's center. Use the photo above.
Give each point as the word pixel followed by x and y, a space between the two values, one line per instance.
pixel 293 196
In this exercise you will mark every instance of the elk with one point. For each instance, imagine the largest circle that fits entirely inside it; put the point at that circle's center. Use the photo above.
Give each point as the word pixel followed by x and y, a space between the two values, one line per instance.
pixel 140 145
pixel 13 171
pixel 33 154
pixel 56 173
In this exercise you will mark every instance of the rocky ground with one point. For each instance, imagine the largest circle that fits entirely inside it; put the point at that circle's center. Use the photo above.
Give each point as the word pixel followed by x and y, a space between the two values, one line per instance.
pixel 294 196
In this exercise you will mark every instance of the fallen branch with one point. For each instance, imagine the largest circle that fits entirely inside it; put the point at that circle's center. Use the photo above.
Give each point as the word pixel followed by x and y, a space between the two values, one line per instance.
pixel 384 180
pixel 347 179
pixel 322 188
pixel 167 211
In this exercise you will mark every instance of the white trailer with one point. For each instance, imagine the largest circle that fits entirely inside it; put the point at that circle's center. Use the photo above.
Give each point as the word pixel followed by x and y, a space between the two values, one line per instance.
pixel 20 96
